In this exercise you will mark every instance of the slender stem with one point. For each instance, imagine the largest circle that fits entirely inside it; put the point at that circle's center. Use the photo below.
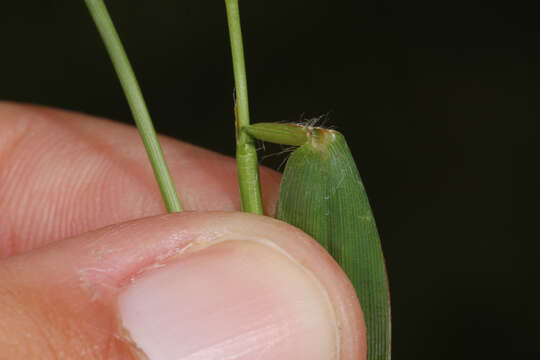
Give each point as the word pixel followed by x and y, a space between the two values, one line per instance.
pixel 246 154
pixel 136 102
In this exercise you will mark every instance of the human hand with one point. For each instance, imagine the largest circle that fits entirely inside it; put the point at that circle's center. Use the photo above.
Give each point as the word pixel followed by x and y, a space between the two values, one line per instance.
pixel 91 268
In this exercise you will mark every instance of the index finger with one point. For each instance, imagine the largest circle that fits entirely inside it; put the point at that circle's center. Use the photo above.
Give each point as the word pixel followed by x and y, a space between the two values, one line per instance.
pixel 64 173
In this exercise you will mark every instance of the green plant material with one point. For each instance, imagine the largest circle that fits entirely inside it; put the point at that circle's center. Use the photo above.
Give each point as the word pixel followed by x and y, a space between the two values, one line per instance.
pixel 246 153
pixel 321 193
pixel 289 134
pixel 136 102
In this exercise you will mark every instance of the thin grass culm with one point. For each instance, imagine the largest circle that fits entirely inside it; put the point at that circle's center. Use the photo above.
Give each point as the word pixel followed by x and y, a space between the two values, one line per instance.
pixel 246 153
pixel 136 102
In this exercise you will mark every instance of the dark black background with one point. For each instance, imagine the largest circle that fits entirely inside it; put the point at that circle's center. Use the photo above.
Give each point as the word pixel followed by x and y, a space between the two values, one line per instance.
pixel 439 102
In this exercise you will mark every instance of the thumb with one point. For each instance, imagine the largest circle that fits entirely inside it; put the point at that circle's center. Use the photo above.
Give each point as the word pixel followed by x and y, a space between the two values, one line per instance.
pixel 180 286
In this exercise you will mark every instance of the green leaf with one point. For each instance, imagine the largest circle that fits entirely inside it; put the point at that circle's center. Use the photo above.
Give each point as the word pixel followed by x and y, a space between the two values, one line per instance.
pixel 322 193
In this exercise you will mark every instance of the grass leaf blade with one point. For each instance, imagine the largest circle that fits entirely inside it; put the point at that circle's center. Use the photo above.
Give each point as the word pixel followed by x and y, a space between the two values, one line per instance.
pixel 322 193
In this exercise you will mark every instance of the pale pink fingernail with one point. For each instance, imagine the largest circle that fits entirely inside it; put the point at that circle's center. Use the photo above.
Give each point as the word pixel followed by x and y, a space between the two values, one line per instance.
pixel 235 300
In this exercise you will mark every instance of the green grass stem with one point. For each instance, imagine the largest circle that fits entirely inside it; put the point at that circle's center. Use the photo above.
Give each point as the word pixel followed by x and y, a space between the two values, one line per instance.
pixel 246 154
pixel 136 102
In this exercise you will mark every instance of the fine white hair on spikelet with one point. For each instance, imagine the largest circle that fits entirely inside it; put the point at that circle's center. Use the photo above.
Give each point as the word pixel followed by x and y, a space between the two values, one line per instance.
pixel 319 122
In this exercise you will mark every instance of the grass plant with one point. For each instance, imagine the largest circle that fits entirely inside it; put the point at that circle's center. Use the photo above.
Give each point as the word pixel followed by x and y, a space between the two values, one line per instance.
pixel 321 191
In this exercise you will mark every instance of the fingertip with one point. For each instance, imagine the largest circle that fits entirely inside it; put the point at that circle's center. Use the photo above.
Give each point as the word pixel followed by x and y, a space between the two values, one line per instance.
pixel 195 283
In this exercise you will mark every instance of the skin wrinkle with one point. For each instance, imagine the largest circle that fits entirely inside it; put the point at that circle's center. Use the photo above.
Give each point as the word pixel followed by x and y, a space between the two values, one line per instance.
pixel 66 223
pixel 108 231
pixel 115 160
pixel 234 200
pixel 7 171
pixel 89 337
pixel 8 246
pixel 12 141
pixel 100 146
pixel 67 226
pixel 36 322
pixel 175 160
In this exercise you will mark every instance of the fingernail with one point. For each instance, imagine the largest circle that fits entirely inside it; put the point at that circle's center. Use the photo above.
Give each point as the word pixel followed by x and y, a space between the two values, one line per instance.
pixel 235 300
